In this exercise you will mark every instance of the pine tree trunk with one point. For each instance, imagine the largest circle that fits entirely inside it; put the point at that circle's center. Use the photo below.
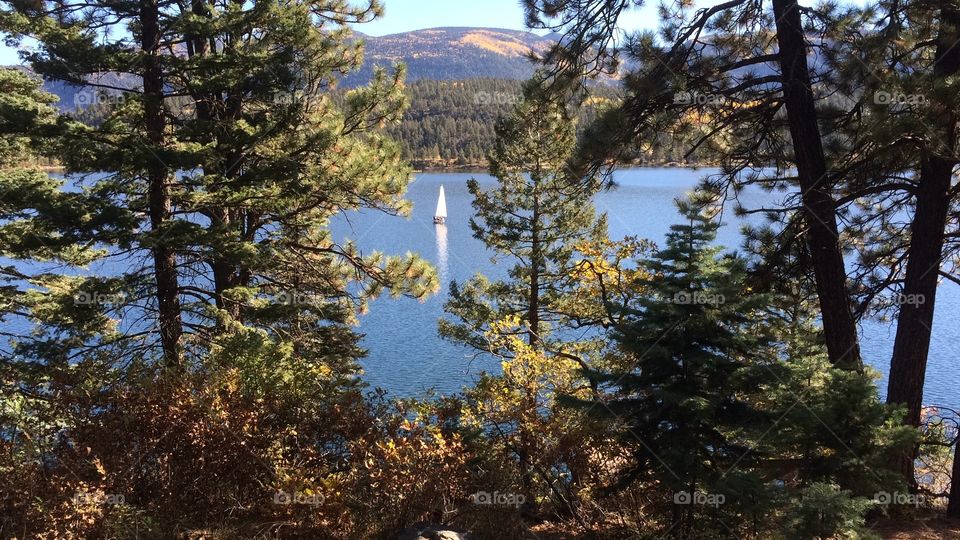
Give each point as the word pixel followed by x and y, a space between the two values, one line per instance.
pixel 915 321
pixel 953 506
pixel 529 403
pixel 225 273
pixel 164 257
pixel 533 314
pixel 818 205
pixel 529 506
pixel 909 362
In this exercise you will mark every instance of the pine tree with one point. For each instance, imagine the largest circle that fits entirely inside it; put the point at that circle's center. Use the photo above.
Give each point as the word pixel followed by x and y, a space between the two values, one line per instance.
pixel 535 217
pixel 901 76
pixel 872 131
pixel 190 302
pixel 728 408
pixel 696 356
pixel 728 96
pixel 226 166
pixel 26 113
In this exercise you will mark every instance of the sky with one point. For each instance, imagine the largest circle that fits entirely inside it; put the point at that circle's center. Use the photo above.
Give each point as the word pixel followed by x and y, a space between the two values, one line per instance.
pixel 406 15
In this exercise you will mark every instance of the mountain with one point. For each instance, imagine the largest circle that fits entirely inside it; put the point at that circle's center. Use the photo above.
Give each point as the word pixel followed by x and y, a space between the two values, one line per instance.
pixel 80 97
pixel 449 53
pixel 453 53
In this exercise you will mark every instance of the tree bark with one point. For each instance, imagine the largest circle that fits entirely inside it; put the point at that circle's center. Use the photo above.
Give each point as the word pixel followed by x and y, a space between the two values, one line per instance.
pixel 158 173
pixel 915 319
pixel 529 403
pixel 225 272
pixel 819 208
pixel 953 506
pixel 533 313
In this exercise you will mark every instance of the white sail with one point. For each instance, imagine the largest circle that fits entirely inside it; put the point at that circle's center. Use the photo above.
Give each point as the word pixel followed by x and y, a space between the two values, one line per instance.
pixel 441 205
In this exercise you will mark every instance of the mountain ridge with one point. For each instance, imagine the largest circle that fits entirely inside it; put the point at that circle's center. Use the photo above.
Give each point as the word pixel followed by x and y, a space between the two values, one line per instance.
pixel 453 53
pixel 442 53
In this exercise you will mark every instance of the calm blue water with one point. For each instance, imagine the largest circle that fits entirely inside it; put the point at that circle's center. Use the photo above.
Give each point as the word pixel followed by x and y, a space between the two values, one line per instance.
pixel 407 357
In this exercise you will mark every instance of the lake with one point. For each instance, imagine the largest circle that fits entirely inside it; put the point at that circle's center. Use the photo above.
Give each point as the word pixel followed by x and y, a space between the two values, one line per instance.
pixel 408 358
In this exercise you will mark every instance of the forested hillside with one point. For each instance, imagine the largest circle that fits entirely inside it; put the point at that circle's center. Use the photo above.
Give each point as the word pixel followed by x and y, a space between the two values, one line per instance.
pixel 451 123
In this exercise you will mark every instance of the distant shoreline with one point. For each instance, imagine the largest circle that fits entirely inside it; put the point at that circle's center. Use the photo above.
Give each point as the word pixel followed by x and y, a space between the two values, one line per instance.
pixel 471 168
pixel 44 168
pixel 477 168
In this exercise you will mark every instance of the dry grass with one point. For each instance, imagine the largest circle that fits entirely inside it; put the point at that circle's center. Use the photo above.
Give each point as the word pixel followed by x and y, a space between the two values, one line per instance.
pixel 495 42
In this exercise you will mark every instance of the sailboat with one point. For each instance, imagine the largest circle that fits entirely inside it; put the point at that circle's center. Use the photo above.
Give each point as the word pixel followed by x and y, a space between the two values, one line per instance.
pixel 440 217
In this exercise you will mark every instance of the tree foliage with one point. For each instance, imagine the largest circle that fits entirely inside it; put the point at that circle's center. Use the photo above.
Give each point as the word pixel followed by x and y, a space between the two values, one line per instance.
pixel 179 325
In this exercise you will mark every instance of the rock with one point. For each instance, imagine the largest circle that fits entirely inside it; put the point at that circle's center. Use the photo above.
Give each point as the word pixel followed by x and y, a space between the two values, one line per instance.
pixel 431 531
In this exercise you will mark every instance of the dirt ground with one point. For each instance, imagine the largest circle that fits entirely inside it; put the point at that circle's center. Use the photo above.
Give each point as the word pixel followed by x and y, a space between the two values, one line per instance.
pixel 932 529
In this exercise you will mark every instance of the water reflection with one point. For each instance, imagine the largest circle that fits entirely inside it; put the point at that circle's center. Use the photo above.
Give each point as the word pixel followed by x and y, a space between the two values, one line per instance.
pixel 441 231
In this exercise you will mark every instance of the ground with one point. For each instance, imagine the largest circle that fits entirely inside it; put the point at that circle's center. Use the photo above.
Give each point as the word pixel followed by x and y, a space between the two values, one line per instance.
pixel 931 529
